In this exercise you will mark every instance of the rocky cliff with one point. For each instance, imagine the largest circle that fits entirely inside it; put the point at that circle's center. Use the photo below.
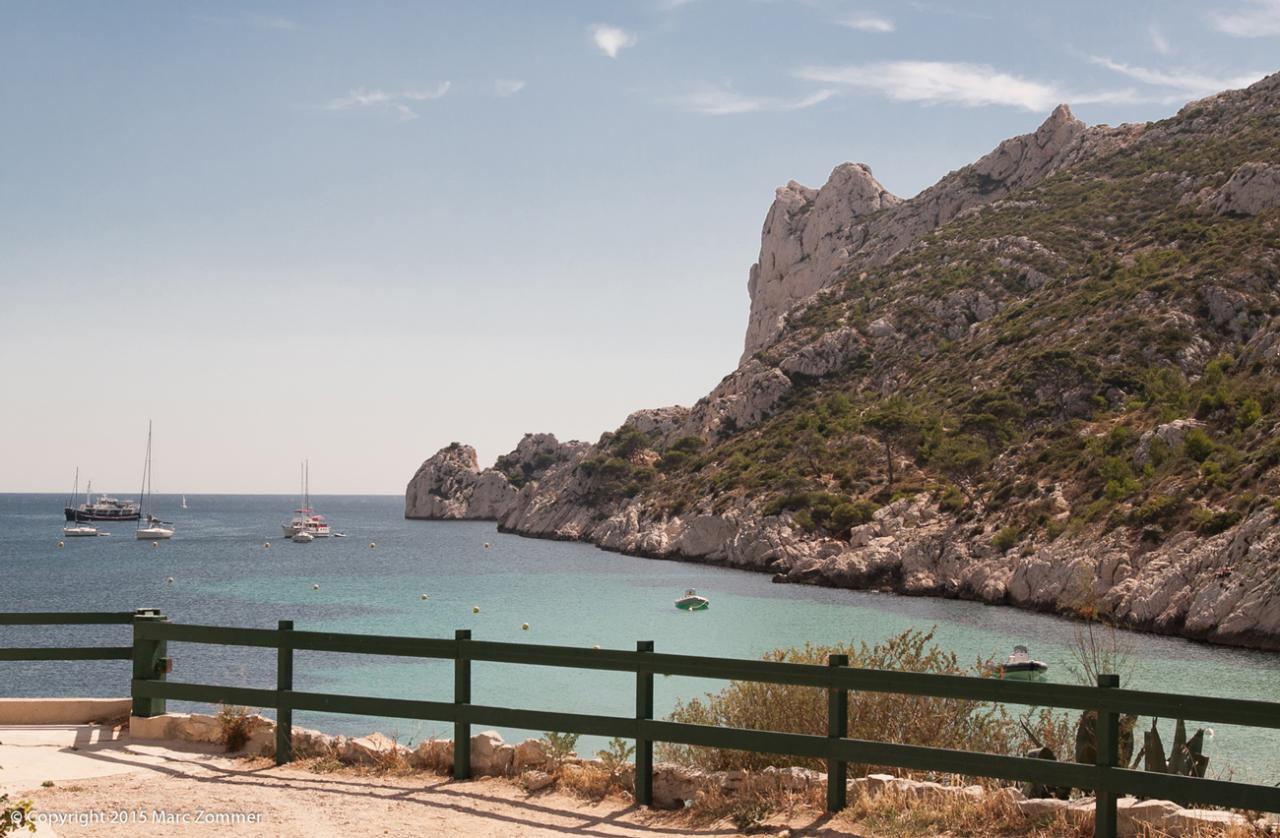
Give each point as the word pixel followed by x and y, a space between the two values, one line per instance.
pixel 1049 380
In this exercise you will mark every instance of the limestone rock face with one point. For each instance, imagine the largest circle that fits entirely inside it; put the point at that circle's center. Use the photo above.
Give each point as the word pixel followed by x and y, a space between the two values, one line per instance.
pixel 450 485
pixel 812 236
pixel 805 240
pixel 1253 188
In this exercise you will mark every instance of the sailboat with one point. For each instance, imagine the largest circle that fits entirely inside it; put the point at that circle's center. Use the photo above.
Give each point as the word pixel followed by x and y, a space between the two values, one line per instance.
pixel 184 501
pixel 305 519
pixel 77 530
pixel 155 529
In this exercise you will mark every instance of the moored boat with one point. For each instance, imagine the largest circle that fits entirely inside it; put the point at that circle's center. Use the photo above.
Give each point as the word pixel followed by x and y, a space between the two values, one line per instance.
pixel 691 601
pixel 105 508
pixel 81 531
pixel 155 529
pixel 302 537
pixel 1021 667
pixel 305 519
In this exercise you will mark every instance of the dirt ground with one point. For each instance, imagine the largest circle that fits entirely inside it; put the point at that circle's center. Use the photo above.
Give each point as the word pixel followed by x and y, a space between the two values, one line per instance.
pixel 115 788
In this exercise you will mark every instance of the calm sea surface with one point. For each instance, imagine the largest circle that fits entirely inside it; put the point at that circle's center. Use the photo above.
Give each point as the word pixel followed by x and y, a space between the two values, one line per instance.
pixel 570 594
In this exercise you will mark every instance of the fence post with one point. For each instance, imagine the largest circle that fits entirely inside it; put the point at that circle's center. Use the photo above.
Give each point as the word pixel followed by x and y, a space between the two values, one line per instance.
pixel 837 728
pixel 644 747
pixel 148 662
pixel 461 698
pixel 1107 740
pixel 284 693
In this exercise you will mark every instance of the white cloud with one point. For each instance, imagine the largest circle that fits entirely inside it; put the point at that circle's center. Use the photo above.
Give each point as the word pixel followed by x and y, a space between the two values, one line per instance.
pixel 1256 19
pixel 611 40
pixel 933 82
pixel 720 100
pixel 868 23
pixel 1158 41
pixel 398 102
pixel 1180 84
pixel 508 87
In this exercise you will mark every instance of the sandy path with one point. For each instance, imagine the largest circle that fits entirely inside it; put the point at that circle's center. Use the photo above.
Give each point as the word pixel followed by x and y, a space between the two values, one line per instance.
pixel 166 790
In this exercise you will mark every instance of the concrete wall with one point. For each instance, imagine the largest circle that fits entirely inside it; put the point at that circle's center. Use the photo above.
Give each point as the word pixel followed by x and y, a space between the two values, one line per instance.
pixel 62 711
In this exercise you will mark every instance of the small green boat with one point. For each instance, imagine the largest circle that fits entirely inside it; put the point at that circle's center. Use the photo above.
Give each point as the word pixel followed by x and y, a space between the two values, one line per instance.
pixel 692 602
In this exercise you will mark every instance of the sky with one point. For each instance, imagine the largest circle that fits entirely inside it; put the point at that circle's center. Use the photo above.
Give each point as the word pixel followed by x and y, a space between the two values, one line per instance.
pixel 356 232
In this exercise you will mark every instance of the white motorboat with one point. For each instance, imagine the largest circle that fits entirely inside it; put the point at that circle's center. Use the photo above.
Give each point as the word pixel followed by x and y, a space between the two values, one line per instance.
pixel 692 602
pixel 302 537
pixel 155 529
pixel 81 531
pixel 1021 667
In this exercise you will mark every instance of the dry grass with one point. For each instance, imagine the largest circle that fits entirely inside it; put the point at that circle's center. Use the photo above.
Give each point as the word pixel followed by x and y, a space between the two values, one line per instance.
pixel 758 799
pixel 235 723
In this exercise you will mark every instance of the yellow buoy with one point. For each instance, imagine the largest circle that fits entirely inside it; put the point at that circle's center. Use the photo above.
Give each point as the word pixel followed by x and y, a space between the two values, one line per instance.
pixel 424 596
pixel 524 626
pixel 595 646
pixel 59 543
pixel 475 609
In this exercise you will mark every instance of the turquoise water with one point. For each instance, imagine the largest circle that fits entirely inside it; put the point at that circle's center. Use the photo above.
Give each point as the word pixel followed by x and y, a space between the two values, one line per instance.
pixel 570 594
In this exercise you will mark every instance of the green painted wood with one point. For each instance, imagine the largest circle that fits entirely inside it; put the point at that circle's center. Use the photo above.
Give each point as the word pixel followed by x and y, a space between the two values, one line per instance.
pixel 213 635
pixel 150 690
pixel 284 686
pixel 148 663
pixel 203 693
pixel 1107 746
pixel 461 698
pixel 68 653
pixel 837 728
pixel 65 618
pixel 394 708
pixel 643 785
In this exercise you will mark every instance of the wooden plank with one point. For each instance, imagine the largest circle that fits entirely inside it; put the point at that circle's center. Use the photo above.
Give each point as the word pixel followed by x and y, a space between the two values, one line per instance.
pixel 204 693
pixel 374 644
pixel 396 708
pixel 67 653
pixel 64 618
pixel 549 720
pixel 214 635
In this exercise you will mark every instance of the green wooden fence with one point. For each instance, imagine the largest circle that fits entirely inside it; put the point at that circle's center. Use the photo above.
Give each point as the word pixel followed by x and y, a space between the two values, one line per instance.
pixel 150 688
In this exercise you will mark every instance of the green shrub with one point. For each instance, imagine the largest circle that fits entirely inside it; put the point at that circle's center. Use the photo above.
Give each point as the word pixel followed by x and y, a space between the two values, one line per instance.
pixel 559 746
pixel 1197 445
pixel 1248 413
pixel 849 515
pixel 1006 538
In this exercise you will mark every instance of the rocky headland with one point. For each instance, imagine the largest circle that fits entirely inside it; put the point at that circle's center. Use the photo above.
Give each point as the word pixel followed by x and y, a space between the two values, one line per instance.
pixel 1047 381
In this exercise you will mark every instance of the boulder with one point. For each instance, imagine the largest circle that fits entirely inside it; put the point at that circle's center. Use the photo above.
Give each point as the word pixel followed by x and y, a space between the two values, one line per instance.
pixel 434 755
pixel 531 753
pixel 536 780
pixel 491 755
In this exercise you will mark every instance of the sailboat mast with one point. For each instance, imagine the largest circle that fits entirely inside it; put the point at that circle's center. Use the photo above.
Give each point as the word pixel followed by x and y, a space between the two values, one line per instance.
pixel 146 472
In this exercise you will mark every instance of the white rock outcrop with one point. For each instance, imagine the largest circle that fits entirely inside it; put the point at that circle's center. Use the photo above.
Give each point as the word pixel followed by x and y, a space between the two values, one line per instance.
pixel 1252 188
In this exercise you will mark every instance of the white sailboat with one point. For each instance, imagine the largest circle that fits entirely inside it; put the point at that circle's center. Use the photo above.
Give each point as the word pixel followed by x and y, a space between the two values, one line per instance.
pixel 184 501
pixel 73 529
pixel 154 529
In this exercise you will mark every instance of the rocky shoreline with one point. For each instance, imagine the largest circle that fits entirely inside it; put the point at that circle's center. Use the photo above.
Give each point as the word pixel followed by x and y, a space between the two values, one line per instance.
pixel 1114 457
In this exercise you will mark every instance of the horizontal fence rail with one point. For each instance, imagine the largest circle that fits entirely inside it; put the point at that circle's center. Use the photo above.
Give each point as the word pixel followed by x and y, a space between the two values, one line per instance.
pixel 151 689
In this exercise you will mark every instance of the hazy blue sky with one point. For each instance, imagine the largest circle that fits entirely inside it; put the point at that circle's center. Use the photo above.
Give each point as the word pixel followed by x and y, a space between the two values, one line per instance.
pixel 357 231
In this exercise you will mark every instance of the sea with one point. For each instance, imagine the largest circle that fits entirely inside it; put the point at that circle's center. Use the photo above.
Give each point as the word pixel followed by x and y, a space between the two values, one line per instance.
pixel 228 564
